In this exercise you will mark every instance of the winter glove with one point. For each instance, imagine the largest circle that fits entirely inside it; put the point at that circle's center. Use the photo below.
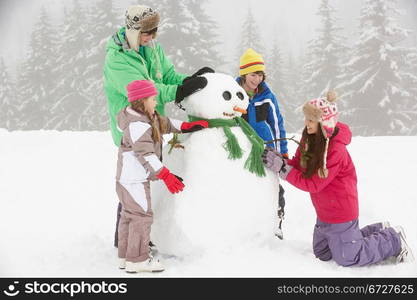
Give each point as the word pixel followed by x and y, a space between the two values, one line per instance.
pixel 285 155
pixel 190 87
pixel 285 170
pixel 179 178
pixel 173 182
pixel 200 72
pixel 273 160
pixel 193 126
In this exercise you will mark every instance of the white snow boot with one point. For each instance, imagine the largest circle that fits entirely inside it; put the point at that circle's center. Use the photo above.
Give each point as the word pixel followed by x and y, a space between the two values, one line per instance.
pixel 149 265
pixel 277 227
pixel 152 249
pixel 406 255
pixel 278 232
pixel 385 225
pixel 122 263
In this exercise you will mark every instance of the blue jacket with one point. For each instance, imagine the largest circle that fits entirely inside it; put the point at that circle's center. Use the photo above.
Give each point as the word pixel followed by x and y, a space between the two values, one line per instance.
pixel 265 118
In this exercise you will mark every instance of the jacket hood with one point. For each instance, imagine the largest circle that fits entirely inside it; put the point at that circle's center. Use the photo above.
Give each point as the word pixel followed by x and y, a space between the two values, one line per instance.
pixel 118 41
pixel 344 135
pixel 127 116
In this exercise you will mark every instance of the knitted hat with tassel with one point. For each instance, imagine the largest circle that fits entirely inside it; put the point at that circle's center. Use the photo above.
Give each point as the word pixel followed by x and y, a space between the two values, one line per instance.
pixel 139 18
pixel 324 111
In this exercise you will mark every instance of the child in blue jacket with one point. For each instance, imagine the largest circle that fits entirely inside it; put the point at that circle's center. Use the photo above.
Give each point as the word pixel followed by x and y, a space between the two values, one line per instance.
pixel 263 112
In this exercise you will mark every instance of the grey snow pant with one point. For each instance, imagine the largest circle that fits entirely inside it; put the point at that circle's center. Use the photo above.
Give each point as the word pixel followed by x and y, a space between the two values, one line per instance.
pixel 348 245
pixel 135 223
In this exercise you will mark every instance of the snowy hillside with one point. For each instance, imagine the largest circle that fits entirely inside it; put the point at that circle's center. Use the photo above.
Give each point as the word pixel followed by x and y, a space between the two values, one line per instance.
pixel 58 204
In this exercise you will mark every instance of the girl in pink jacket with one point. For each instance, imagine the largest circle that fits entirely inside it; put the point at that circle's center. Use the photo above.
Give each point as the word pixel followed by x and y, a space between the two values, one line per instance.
pixel 323 167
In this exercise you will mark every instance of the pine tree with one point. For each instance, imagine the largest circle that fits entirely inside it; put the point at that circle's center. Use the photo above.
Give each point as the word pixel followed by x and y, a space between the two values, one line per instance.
pixel 250 37
pixel 408 106
pixel 275 70
pixel 276 79
pixel 375 90
pixel 206 41
pixel 178 35
pixel 295 98
pixel 196 44
pixel 8 109
pixel 326 53
pixel 103 22
pixel 70 98
pixel 36 79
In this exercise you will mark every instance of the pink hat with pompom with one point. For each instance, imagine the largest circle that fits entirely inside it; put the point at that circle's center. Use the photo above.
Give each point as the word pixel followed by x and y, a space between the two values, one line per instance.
pixel 324 111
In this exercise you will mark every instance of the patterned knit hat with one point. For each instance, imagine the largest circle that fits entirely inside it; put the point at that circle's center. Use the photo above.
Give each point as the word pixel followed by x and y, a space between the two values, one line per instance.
pixel 139 18
pixel 140 89
pixel 326 113
pixel 323 111
pixel 250 62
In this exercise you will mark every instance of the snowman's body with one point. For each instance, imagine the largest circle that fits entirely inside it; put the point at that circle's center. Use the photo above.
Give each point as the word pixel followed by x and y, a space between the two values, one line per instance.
pixel 223 205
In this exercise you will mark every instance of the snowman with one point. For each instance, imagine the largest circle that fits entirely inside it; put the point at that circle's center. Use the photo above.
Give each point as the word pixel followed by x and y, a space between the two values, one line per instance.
pixel 229 199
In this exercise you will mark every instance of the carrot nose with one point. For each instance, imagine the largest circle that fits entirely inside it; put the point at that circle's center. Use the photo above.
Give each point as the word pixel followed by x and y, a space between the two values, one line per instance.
pixel 239 109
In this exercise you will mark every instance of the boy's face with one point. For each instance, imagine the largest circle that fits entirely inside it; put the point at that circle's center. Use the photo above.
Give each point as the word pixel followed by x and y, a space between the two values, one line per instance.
pixel 252 80
pixel 150 104
pixel 145 38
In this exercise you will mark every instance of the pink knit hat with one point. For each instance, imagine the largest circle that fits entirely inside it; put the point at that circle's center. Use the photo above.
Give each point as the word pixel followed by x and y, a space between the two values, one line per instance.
pixel 324 111
pixel 139 89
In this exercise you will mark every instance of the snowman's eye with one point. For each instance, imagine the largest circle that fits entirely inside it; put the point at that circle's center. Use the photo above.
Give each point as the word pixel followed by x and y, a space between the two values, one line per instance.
pixel 227 95
pixel 240 95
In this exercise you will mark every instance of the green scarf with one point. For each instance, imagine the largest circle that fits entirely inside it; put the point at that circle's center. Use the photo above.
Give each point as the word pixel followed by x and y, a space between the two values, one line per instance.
pixel 253 162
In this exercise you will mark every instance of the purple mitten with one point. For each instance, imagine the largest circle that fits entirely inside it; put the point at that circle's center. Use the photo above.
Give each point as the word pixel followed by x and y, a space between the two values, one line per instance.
pixel 272 160
pixel 285 170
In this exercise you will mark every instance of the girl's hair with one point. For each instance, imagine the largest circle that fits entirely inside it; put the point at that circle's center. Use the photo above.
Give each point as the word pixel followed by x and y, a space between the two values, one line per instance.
pixel 312 151
pixel 243 79
pixel 157 131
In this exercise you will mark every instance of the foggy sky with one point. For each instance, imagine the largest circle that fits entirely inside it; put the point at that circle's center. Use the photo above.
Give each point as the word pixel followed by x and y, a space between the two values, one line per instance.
pixel 291 22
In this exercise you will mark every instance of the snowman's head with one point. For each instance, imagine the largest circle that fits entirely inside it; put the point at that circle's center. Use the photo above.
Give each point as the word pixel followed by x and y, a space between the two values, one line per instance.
pixel 222 98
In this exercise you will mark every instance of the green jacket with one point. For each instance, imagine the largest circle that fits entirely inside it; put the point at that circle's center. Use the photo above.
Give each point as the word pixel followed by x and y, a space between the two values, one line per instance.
pixel 123 65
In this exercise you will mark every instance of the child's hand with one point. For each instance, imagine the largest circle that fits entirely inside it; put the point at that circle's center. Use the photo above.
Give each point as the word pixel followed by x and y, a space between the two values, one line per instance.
pixel 199 73
pixel 193 126
pixel 190 87
pixel 273 160
pixel 173 182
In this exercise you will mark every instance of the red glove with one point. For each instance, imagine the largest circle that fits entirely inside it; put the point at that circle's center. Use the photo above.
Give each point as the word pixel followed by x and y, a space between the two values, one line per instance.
pixel 285 155
pixel 173 182
pixel 193 126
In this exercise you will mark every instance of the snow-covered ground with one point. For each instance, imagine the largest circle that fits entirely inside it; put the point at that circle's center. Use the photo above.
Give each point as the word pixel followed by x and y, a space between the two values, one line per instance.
pixel 58 204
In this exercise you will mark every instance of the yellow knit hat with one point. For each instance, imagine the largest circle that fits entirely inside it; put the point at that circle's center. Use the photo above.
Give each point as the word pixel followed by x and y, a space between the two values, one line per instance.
pixel 251 61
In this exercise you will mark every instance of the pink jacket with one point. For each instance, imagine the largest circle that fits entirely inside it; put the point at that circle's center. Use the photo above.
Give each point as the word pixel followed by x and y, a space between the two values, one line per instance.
pixel 335 198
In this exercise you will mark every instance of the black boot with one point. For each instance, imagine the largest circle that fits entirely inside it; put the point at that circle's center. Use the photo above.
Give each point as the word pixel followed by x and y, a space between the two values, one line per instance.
pixel 116 234
pixel 280 213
